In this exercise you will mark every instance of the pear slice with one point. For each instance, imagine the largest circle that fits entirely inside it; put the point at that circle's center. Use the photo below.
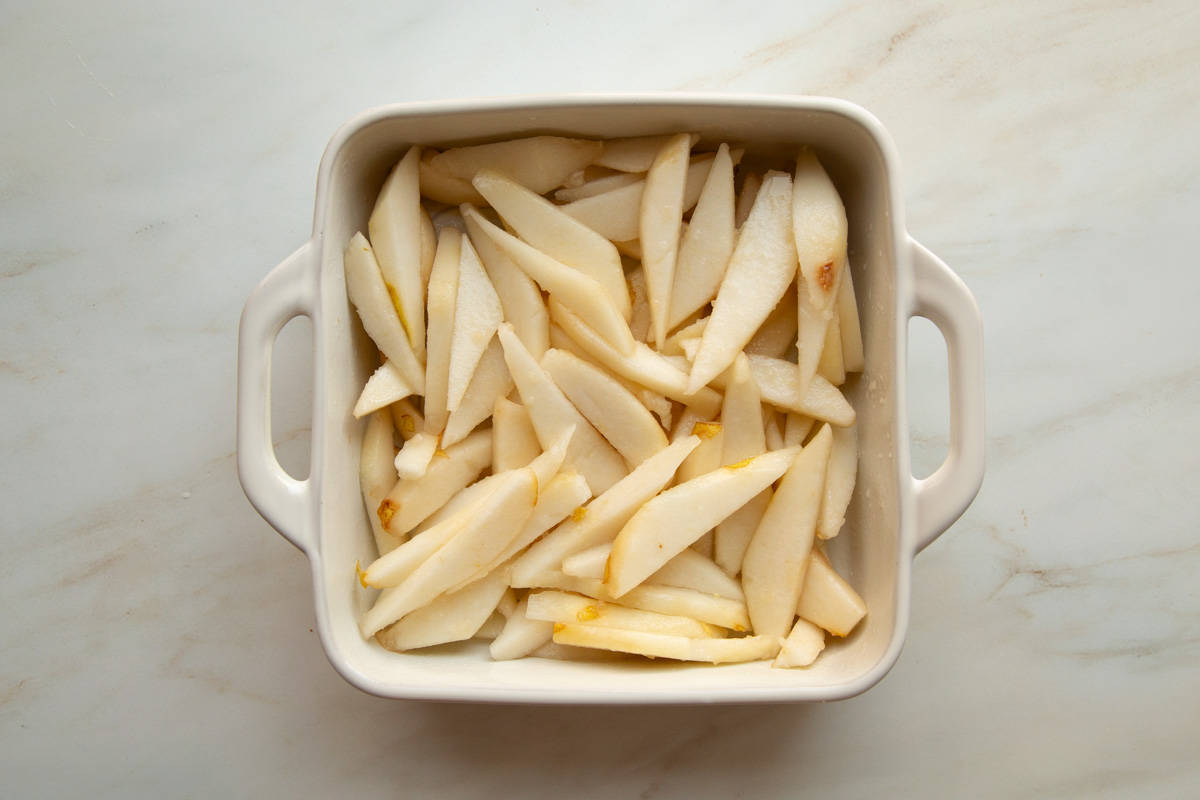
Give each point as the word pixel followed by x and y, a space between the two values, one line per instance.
pixel 440 186
pixel 595 186
pixel 409 503
pixel 443 295
pixel 639 320
pixel 385 386
pixel 393 568
pixel 848 323
pixel 377 474
pixel 744 437
pixel 540 163
pixel 644 366
pixel 780 387
pixel 688 570
pixel 513 440
pixel 602 518
pixel 406 419
pixel 413 459
pixel 674 519
pixel 777 335
pixel 760 270
pixel 521 635
pixel 774 431
pixel 750 186
pixel 796 429
pixel 828 600
pixel 819 228
pixel 491 382
pixel 453 617
pixel 832 365
pixel 477 314
pixel 552 414
pixel 673 346
pixel 564 607
pixel 839 482
pixel 659 645
pixel 582 294
pixel 660 406
pixel 802 646
pixel 775 562
pixel 560 236
pixel 395 231
pixel 705 248
pixel 812 333
pixel 519 295
pixel 588 563
pixel 636 153
pixel 618 415
pixel 369 294
pixel 658 227
pixel 489 526
pixel 703 607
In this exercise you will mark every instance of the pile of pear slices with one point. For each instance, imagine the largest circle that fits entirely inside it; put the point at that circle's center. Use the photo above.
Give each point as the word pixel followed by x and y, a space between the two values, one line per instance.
pixel 613 379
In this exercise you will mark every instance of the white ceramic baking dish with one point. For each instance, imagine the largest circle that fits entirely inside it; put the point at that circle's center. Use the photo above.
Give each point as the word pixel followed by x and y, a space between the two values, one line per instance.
pixel 892 517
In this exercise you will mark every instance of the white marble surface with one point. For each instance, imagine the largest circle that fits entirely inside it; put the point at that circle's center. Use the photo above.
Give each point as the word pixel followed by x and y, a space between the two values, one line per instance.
pixel 158 161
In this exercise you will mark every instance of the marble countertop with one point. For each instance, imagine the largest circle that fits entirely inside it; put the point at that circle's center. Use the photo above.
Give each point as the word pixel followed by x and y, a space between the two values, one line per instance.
pixel 157 636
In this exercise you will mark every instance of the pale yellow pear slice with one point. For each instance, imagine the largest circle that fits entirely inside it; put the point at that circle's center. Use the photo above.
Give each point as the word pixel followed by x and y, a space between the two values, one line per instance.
pixel 477 314
pixel 777 335
pixel 574 609
pixel 760 270
pixel 439 185
pixel 832 366
pixel 552 414
pixel 560 236
pixel 659 645
pixel 673 346
pixel 393 568
pixel 600 185
pixel 635 153
pixel 588 563
pixel 601 519
pixel 406 419
pixel 539 163
pixel 688 570
pixel 701 606
pixel 674 519
pixel 839 482
pixel 828 600
pixel 796 429
pixel 643 366
pixel 743 437
pixel 519 295
pixel 639 320
pixel 658 227
pixel 616 413
pixel 659 405
pixel 521 635
pixel 491 525
pixel 802 646
pixel 413 459
pixel 452 617
pixel 812 331
pixel 513 439
pixel 443 294
pixel 750 186
pixel 705 247
pixel 775 562
pixel 491 382
pixel 369 294
pixel 395 231
pixel 820 232
pixel 409 503
pixel 377 475
pixel 385 386
pixel 779 386
pixel 848 323
pixel 579 292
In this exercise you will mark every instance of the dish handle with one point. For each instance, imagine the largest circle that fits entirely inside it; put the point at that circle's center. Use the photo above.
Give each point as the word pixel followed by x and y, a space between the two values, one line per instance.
pixel 940 296
pixel 287 292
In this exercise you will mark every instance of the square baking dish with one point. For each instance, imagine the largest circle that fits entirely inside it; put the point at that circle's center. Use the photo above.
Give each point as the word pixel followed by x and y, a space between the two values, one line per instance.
pixel 890 519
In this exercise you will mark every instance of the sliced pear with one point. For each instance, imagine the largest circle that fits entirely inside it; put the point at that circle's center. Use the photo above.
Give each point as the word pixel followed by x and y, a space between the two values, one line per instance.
pixel 491 382
pixel 513 439
pixel 761 268
pixel 832 366
pixel 439 185
pixel 369 294
pixel 775 562
pixel 612 214
pixel 595 186
pixel 660 406
pixel 602 518
pixel 780 387
pixel 636 153
pixel 819 222
pixel 774 431
pixel 674 519
pixel 588 563
pixel 521 635
pixel 848 323
pixel 552 414
pixel 796 429
pixel 490 526
pixel 406 419
pixel 705 248
pixel 617 414
pixel 477 314
pixel 395 231
pixel 744 437
pixel 385 386
pixel 802 646
pixel 519 295
pixel 673 346
pixel 639 320
pixel 452 617
pixel 540 163
pixel 644 366
pixel 839 482
pixel 560 236
pixel 828 600
pixel 582 294
pixel 777 335
pixel 413 459
pixel 659 645
pixel 411 502
pixel 377 475
pixel 750 186
pixel 393 568
pixel 574 609
pixel 443 294
pixel 658 227
pixel 700 606
pixel 813 330
pixel 688 570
